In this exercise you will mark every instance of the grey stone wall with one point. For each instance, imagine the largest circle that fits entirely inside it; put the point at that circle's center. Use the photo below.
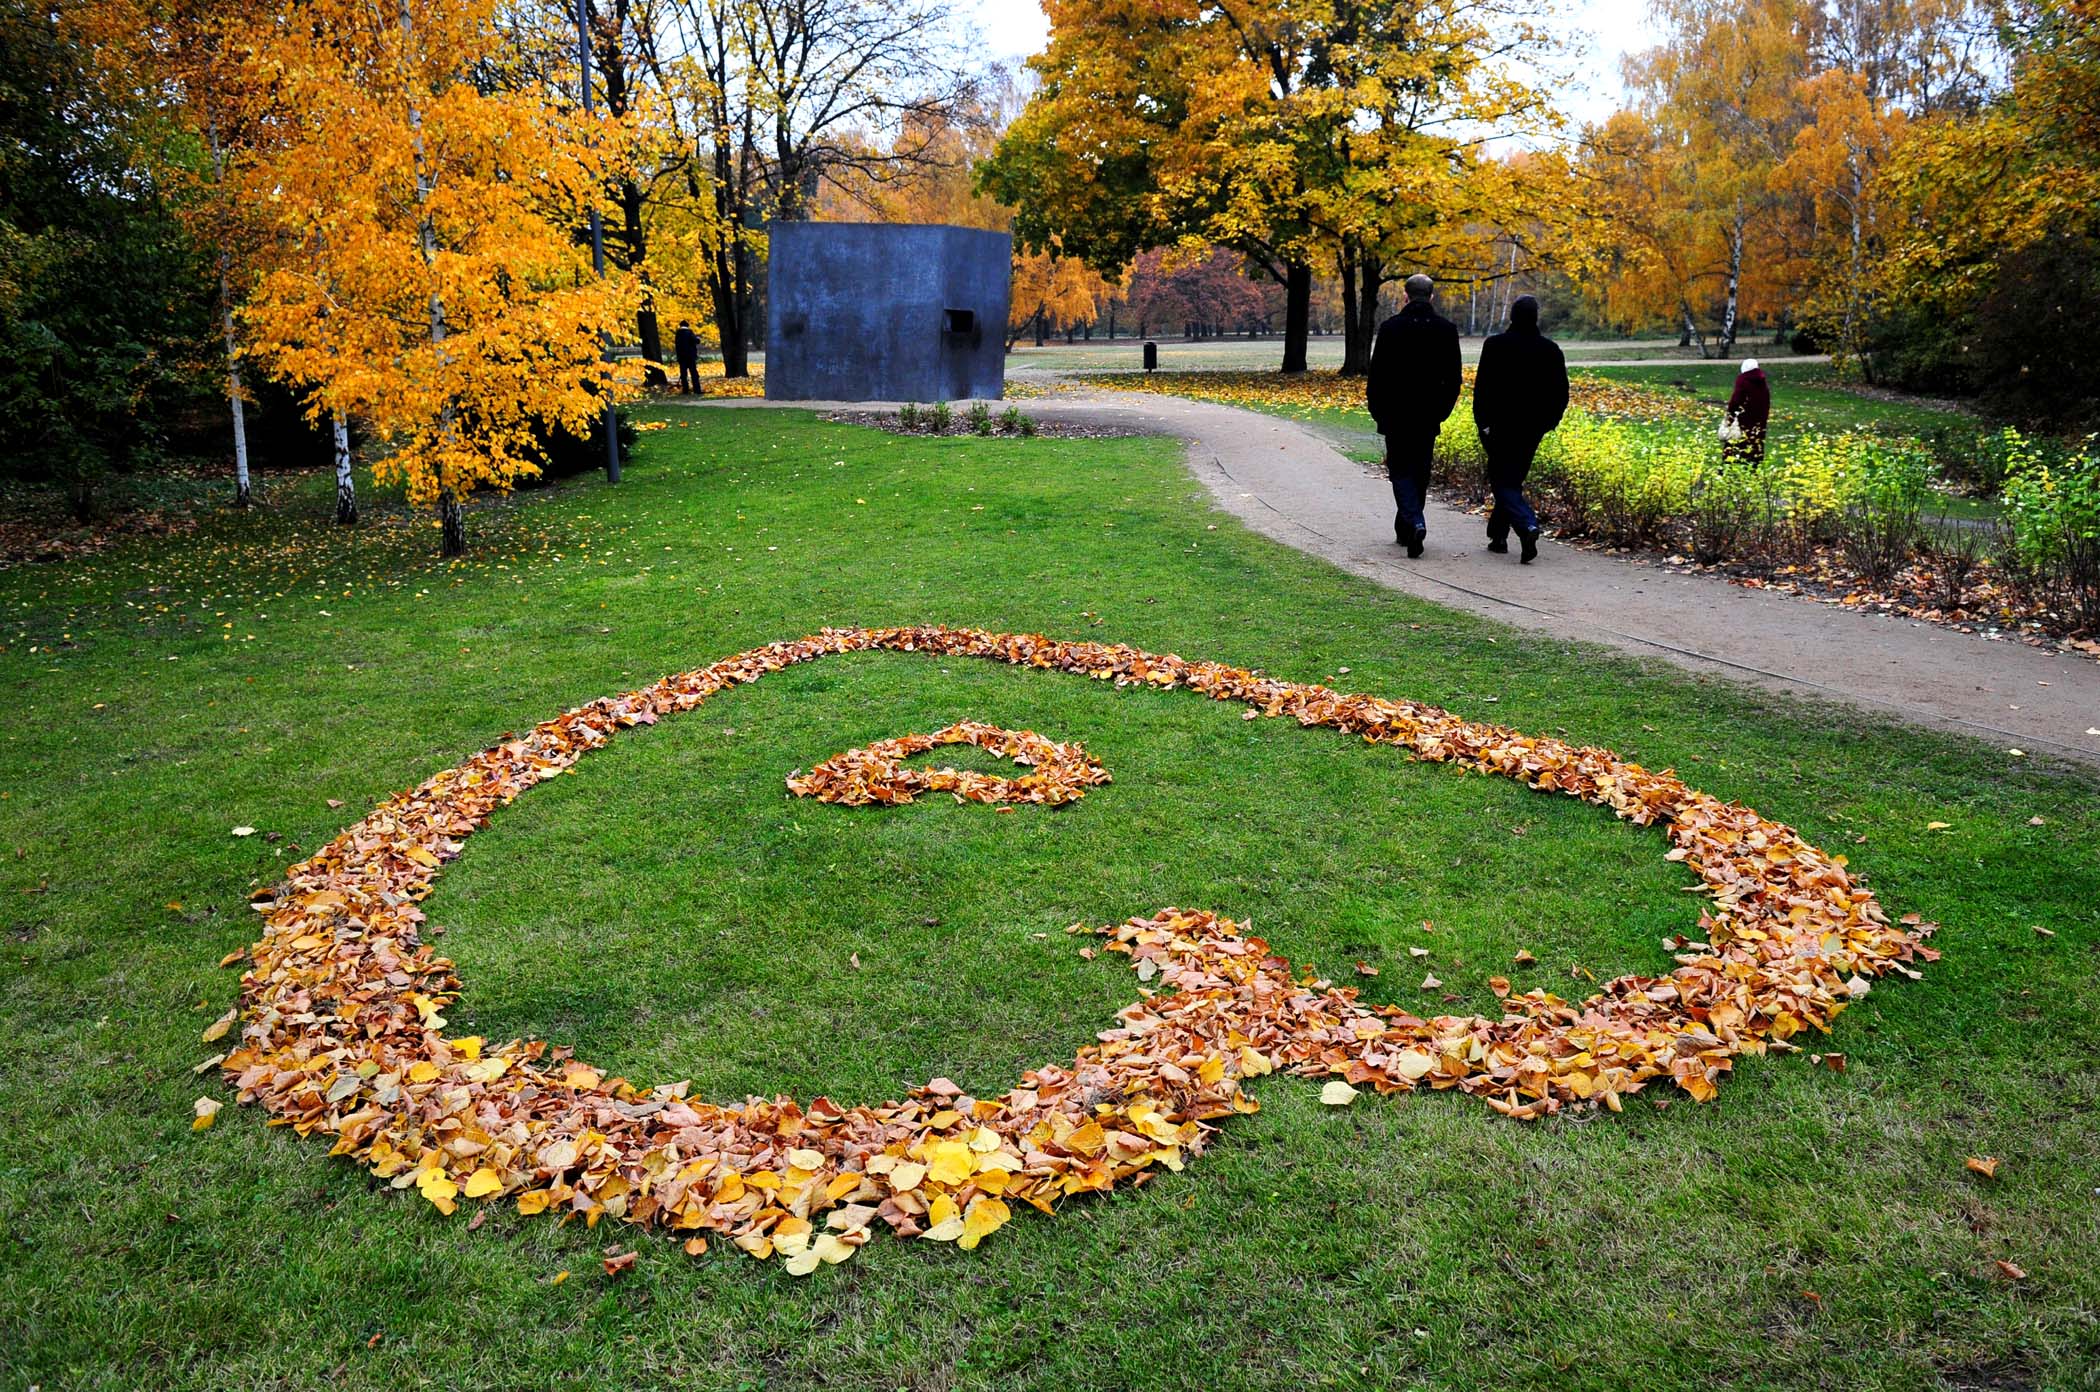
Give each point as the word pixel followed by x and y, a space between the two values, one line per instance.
pixel 885 312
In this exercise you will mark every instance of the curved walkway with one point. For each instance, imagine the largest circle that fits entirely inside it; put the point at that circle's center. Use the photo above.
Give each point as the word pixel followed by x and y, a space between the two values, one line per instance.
pixel 1289 484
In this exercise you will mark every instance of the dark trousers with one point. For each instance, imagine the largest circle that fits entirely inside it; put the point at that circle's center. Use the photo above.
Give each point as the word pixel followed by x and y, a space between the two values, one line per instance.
pixel 1509 464
pixel 1407 461
pixel 688 376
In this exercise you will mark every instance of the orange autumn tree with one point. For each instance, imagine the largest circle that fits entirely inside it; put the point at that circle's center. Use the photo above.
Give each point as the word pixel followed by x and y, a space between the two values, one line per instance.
pixel 429 277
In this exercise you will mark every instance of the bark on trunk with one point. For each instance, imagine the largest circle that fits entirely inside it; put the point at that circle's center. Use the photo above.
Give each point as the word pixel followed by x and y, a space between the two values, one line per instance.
pixel 241 492
pixel 454 542
pixel 453 525
pixel 1346 263
pixel 1362 275
pixel 1297 314
pixel 1735 284
pixel 345 481
pixel 242 495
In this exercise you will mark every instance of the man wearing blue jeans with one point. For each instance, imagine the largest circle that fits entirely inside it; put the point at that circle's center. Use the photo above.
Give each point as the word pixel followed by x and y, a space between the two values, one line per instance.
pixel 1519 395
pixel 1411 387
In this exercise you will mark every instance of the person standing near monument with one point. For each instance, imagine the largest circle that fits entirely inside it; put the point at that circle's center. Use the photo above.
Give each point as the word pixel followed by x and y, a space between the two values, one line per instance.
pixel 1412 385
pixel 1520 392
pixel 687 346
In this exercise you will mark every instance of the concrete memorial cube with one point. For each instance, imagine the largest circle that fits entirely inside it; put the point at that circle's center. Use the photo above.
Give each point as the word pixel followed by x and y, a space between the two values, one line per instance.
pixel 885 312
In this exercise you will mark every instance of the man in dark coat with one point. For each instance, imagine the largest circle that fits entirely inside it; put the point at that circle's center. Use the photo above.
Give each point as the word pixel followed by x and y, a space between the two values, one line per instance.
pixel 1750 409
pixel 1519 394
pixel 1412 386
pixel 687 344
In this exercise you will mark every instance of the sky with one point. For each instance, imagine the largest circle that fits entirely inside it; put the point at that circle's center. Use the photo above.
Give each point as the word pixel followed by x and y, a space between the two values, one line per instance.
pixel 1610 29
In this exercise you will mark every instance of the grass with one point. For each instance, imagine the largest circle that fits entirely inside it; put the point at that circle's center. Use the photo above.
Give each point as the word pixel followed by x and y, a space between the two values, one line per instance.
pixel 670 910
pixel 1805 397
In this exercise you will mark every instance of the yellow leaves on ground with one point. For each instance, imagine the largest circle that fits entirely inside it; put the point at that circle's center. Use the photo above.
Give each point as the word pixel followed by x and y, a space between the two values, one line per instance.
pixel 207 1111
pixel 1786 941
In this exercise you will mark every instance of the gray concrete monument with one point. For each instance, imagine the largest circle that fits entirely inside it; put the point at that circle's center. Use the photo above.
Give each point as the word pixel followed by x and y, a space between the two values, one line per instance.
pixel 863 311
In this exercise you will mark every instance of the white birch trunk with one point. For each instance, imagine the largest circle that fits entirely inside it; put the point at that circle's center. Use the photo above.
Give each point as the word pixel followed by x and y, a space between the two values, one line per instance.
pixel 241 490
pixel 345 481
pixel 452 520
pixel 1735 283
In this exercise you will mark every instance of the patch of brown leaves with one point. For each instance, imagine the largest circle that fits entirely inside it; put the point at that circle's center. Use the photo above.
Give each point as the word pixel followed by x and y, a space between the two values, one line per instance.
pixel 342 1023
pixel 875 774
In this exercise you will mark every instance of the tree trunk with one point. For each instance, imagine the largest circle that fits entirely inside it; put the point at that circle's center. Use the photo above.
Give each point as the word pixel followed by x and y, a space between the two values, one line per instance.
pixel 1362 274
pixel 1039 328
pixel 1735 284
pixel 1297 314
pixel 1351 367
pixel 453 526
pixel 345 481
pixel 455 532
pixel 241 493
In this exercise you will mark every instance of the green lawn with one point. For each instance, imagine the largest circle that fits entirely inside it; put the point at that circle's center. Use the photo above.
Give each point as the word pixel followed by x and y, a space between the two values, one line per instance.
pixel 1805 396
pixel 673 913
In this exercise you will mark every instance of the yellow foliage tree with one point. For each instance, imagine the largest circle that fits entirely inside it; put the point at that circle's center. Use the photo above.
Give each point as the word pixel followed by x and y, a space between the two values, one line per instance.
pixel 429 277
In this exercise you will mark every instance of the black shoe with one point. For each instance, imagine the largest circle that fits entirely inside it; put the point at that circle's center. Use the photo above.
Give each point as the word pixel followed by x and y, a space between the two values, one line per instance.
pixel 1414 546
pixel 1531 547
pixel 1499 545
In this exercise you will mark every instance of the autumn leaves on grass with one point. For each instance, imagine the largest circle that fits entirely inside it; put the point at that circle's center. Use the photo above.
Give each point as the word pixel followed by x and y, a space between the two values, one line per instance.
pixel 342 1024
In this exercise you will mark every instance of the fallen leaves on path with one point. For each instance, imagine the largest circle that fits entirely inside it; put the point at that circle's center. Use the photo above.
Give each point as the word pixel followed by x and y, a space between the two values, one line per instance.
pixel 342 1023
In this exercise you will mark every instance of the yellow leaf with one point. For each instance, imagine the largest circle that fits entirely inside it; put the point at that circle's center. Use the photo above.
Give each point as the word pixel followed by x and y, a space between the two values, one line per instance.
pixel 216 1030
pixel 1254 1063
pixel 906 1175
pixel 1337 1094
pixel 483 1182
pixel 986 1216
pixel 944 1221
pixel 437 1186
pixel 534 1201
pixel 467 1046
pixel 207 1110
pixel 952 1163
pixel 422 1071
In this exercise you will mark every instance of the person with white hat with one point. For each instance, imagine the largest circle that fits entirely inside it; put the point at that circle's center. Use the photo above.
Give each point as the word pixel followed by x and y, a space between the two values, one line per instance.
pixel 1748 416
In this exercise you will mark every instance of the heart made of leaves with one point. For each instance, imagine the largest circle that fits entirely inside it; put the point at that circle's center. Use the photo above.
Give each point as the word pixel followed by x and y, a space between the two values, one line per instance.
pixel 343 1030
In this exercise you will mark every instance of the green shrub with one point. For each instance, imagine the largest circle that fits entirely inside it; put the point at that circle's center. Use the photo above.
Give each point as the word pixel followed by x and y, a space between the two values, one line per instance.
pixel 2052 503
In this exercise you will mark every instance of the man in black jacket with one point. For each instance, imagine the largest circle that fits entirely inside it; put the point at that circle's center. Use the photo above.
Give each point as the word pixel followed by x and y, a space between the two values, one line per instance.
pixel 687 346
pixel 1412 386
pixel 1519 394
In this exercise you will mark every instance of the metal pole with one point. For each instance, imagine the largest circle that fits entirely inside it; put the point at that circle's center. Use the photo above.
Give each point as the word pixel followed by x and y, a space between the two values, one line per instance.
pixel 612 414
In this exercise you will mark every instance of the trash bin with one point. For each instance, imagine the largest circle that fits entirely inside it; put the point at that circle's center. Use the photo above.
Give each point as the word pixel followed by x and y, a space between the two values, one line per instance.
pixel 1151 356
